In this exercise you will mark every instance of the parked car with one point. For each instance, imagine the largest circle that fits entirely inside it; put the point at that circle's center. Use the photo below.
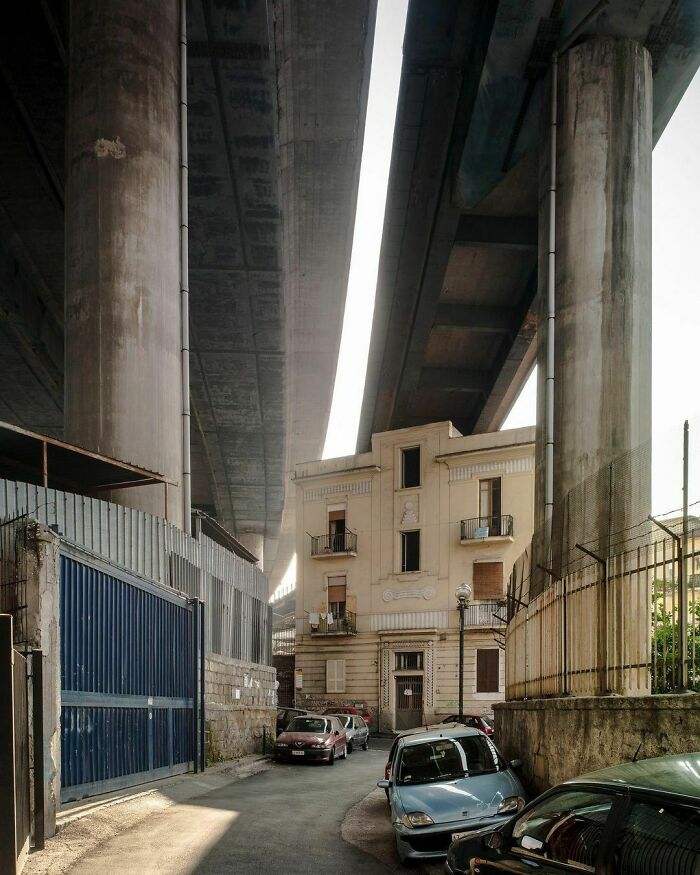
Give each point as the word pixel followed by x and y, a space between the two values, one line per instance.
pixel 437 727
pixel 356 731
pixel 444 782
pixel 485 724
pixel 633 819
pixel 285 715
pixel 312 737
pixel 349 709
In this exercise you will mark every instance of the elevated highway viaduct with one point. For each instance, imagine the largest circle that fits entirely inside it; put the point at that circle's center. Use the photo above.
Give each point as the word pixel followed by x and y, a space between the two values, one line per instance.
pixel 463 307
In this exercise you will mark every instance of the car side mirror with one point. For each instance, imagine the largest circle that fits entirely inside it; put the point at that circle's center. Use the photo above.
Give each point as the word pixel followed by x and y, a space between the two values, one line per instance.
pixel 336 732
pixel 516 764
pixel 384 784
pixel 496 841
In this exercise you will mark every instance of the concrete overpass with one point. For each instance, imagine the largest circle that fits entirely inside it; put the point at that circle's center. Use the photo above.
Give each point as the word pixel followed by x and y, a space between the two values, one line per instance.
pixel 276 101
pixel 456 314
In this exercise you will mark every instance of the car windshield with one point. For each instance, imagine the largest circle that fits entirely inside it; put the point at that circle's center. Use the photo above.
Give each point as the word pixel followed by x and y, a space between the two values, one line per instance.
pixel 430 761
pixel 480 754
pixel 345 721
pixel 310 724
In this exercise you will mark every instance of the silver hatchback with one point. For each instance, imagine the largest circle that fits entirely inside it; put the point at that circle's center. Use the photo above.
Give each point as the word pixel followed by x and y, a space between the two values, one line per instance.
pixel 356 730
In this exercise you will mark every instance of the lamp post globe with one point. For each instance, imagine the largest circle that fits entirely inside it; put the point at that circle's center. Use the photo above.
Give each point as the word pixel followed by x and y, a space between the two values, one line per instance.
pixel 463 592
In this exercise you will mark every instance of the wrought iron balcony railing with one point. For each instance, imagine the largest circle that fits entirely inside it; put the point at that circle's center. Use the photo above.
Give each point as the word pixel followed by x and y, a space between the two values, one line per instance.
pixel 345 625
pixel 485 614
pixel 481 527
pixel 329 545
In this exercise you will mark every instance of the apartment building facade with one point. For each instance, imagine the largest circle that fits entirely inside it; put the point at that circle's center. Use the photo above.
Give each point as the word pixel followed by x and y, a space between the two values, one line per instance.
pixel 383 540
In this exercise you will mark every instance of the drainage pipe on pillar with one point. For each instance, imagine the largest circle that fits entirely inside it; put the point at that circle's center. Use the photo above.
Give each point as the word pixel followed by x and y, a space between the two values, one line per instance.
pixel 184 281
pixel 551 279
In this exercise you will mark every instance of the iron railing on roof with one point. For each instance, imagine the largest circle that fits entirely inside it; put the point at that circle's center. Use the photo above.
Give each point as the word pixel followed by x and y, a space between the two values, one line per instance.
pixel 480 527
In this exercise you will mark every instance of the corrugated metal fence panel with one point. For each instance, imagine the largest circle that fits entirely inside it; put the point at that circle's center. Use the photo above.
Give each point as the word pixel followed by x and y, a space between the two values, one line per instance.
pixel 234 591
pixel 127 678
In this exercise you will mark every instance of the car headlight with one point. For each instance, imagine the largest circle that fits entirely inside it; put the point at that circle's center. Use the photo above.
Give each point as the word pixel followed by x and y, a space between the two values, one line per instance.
pixel 510 805
pixel 281 744
pixel 416 818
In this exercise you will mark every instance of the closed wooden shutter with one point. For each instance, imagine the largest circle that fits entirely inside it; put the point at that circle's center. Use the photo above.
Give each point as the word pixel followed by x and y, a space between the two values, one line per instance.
pixel 335 675
pixel 487 665
pixel 336 589
pixel 488 580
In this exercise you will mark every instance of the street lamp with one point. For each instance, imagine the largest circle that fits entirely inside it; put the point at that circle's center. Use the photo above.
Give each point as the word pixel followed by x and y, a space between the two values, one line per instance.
pixel 463 593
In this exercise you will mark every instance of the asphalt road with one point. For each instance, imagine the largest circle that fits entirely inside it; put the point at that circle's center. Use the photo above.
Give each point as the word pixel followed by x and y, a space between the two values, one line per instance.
pixel 292 818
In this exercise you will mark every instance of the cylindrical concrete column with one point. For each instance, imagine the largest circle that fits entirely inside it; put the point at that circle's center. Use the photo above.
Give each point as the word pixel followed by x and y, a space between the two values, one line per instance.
pixel 122 304
pixel 602 372
pixel 254 543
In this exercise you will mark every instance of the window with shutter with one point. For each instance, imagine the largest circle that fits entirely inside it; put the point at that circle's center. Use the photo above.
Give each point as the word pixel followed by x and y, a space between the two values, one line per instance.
pixel 487 666
pixel 487 580
pixel 335 675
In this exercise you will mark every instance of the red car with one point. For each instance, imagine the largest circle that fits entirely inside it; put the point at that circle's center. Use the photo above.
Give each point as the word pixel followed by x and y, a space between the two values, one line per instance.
pixel 348 709
pixel 312 738
pixel 475 721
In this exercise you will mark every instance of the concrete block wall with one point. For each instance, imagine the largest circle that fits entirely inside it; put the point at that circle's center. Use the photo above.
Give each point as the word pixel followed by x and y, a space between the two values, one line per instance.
pixel 240 701
pixel 559 739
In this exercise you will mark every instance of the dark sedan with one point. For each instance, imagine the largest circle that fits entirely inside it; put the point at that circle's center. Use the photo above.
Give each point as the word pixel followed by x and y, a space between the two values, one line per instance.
pixel 633 819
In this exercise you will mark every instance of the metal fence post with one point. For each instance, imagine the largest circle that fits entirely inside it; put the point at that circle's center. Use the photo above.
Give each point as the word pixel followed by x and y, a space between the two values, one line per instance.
pixel 202 682
pixel 8 833
pixel 38 740
pixel 683 571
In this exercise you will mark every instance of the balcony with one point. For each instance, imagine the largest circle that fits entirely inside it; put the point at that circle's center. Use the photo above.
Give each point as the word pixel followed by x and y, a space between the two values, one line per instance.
pixel 487 528
pixel 485 614
pixel 327 546
pixel 345 625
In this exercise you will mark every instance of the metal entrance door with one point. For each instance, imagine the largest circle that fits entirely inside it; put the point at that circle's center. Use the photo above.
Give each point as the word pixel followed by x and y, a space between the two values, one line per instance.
pixel 409 701
pixel 131 657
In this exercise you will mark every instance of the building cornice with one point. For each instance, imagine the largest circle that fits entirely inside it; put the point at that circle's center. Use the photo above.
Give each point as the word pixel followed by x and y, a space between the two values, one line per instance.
pixel 362 469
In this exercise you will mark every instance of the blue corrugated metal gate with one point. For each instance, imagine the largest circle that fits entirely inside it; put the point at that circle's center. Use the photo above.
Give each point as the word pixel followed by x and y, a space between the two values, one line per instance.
pixel 131 661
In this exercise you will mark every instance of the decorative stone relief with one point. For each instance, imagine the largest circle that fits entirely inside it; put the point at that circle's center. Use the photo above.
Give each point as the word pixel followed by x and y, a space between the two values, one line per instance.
pixel 390 595
pixel 409 516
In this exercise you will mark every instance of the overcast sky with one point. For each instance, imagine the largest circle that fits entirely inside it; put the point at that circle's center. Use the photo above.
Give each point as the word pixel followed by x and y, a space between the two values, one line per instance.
pixel 676 301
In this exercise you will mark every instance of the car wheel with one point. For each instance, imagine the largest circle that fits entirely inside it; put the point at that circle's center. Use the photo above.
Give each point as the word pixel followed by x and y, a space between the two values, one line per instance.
pixel 344 754
pixel 331 759
pixel 350 747
pixel 365 744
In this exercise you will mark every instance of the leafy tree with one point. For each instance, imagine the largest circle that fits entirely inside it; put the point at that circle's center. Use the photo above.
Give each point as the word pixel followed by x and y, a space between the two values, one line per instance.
pixel 666 640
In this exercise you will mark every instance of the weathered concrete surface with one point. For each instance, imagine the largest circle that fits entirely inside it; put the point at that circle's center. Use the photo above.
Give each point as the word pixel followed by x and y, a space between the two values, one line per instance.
pixel 240 702
pixel 86 825
pixel 602 368
pixel 558 739
pixel 122 306
pixel 43 633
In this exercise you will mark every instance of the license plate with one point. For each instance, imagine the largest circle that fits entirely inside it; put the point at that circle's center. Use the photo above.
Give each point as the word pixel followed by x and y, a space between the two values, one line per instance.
pixel 458 835
pixel 297 753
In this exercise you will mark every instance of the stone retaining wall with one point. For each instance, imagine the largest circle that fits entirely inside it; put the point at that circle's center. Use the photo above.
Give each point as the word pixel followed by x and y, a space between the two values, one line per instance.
pixel 558 739
pixel 240 702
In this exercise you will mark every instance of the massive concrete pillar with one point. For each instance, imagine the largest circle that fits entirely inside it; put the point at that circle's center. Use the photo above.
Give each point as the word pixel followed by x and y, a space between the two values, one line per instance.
pixel 602 366
pixel 122 317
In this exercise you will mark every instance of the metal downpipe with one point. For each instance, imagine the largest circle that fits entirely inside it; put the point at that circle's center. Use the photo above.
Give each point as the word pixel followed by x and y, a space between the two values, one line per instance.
pixel 184 282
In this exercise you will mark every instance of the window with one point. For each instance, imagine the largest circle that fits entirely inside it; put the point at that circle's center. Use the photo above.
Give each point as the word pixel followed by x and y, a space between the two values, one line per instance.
pixel 487 666
pixel 310 724
pixel 431 761
pixel 487 580
pixel 566 827
pixel 336 528
pixel 410 551
pixel 335 675
pixel 410 467
pixel 490 503
pixel 658 837
pixel 409 660
pixel 337 597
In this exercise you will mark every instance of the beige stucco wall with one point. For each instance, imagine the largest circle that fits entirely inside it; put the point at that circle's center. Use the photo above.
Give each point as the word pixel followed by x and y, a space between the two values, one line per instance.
pixel 412 610
pixel 608 729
